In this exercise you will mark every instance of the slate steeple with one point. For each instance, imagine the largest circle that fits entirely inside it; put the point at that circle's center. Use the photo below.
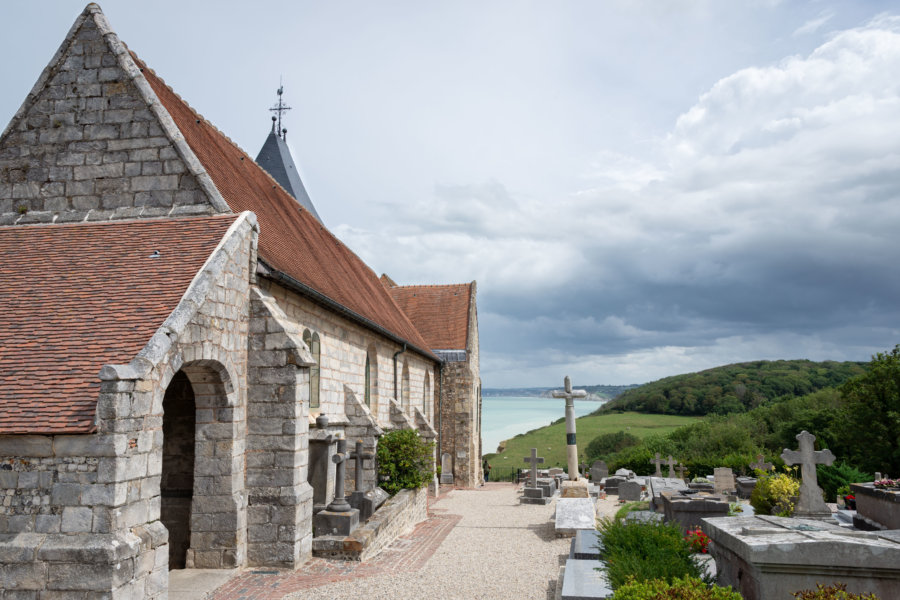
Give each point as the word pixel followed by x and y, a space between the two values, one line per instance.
pixel 275 158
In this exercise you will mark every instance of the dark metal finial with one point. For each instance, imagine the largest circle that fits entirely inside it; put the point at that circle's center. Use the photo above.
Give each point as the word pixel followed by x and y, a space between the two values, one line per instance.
pixel 274 120
pixel 284 134
pixel 279 108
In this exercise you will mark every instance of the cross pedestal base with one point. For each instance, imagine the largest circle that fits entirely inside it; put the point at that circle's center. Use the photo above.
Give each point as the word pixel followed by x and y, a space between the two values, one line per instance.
pixel 574 489
pixel 327 522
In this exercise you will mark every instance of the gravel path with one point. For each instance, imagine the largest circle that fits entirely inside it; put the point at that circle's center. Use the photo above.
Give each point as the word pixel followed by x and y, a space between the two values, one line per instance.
pixel 499 549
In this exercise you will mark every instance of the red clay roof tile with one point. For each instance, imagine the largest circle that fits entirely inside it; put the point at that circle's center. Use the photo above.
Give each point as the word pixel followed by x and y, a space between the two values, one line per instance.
pixel 440 312
pixel 291 240
pixel 77 297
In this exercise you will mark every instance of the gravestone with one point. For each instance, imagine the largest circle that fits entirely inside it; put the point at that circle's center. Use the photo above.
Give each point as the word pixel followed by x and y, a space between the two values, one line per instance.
pixel 533 493
pixel 573 514
pixel 659 486
pixel 644 516
pixel 766 558
pixel 547 485
pixel 586 545
pixel 657 461
pixel 625 473
pixel 599 471
pixel 745 486
pixel 681 469
pixel 611 484
pixel 339 518
pixel 760 465
pixel 446 468
pixel 571 446
pixel 320 474
pixel 810 504
pixel 365 501
pixel 582 581
pixel 630 490
pixel 724 481
pixel 671 462
pixel 689 511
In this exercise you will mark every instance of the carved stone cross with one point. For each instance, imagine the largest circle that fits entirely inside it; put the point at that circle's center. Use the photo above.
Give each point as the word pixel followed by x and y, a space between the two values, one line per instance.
pixel 681 469
pixel 759 465
pixel 534 460
pixel 571 448
pixel 810 503
pixel 359 456
pixel 340 503
pixel 671 462
pixel 658 461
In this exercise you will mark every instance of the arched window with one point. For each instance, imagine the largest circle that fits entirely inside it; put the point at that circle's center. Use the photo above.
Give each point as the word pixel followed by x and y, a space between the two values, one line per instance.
pixel 368 382
pixel 312 341
pixel 372 378
pixel 404 389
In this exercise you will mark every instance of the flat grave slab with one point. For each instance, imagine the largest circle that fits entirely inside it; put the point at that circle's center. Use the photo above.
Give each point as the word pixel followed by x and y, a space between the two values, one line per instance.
pixel 643 516
pixel 585 545
pixel 664 485
pixel 583 582
pixel 573 514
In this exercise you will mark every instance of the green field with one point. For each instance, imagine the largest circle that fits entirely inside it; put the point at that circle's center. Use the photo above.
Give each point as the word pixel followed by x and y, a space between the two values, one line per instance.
pixel 550 441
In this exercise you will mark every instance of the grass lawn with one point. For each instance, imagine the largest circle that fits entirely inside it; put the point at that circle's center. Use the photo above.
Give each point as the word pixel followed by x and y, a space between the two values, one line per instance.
pixel 550 441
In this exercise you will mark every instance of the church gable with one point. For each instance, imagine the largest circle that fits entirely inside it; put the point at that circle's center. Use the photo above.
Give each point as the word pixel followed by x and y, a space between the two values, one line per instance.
pixel 91 141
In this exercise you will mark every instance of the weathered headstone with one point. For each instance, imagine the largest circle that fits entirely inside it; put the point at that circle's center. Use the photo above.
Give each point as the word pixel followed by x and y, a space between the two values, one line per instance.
pixel 745 486
pixel 724 481
pixel 657 461
pixel 760 465
pixel 446 468
pixel 599 470
pixel 571 446
pixel 659 486
pixel 533 493
pixel 625 473
pixel 573 514
pixel 611 484
pixel 320 474
pixel 810 504
pixel 365 501
pixel 681 469
pixel 339 518
pixel 671 462
pixel 630 490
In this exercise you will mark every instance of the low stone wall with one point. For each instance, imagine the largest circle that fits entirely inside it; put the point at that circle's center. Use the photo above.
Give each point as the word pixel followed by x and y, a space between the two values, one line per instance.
pixel 396 517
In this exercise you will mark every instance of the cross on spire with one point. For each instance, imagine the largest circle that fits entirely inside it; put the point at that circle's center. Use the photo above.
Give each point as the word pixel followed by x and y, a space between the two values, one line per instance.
pixel 810 502
pixel 279 108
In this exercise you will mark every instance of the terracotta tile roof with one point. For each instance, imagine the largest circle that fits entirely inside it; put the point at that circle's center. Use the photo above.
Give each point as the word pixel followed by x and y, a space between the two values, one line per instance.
pixel 291 240
pixel 440 312
pixel 77 297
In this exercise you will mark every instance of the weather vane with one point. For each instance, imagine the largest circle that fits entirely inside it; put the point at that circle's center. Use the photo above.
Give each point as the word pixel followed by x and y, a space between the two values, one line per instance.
pixel 279 108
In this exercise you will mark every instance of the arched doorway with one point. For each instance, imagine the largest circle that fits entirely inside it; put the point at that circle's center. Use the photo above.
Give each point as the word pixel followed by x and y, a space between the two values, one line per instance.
pixel 177 480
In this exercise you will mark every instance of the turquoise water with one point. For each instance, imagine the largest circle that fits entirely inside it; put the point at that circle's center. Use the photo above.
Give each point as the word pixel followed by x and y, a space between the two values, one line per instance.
pixel 502 417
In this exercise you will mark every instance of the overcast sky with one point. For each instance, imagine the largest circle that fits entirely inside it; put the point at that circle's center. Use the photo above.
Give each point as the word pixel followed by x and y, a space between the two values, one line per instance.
pixel 640 188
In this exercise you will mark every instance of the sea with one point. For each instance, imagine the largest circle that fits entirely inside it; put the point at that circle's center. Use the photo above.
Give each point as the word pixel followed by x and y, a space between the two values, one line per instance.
pixel 503 417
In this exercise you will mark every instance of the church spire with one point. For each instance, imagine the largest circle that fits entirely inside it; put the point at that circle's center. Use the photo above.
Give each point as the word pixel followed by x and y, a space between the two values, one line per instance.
pixel 276 159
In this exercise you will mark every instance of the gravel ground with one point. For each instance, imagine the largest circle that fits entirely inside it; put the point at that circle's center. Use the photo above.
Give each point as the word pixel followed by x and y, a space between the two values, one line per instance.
pixel 499 549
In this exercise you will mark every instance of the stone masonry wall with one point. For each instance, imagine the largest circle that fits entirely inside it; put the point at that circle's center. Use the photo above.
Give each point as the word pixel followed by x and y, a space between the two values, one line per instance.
pixel 100 532
pixel 344 345
pixel 87 144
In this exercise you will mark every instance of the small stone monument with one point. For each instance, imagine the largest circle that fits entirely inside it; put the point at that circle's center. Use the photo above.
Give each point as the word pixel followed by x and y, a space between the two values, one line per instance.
pixel 446 468
pixel 571 447
pixel 759 465
pixel 534 493
pixel 681 469
pixel 630 490
pixel 671 462
pixel 810 503
pixel 657 461
pixel 599 471
pixel 365 501
pixel 723 482
pixel 338 518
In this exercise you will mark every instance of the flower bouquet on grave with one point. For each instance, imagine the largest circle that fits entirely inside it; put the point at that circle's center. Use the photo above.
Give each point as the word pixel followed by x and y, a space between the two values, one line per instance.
pixel 886 484
pixel 850 501
pixel 698 541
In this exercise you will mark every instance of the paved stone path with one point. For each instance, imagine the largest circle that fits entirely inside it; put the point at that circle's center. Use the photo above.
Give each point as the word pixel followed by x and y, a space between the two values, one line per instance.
pixel 475 544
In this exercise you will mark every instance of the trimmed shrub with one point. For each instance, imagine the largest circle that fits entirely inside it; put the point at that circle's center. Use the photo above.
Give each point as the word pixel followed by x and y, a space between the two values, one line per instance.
pixel 645 551
pixel 687 588
pixel 773 494
pixel 405 461
pixel 837 591
pixel 837 476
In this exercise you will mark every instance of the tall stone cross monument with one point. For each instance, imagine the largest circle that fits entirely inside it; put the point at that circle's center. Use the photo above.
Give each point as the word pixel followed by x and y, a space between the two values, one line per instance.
pixel 810 504
pixel 571 448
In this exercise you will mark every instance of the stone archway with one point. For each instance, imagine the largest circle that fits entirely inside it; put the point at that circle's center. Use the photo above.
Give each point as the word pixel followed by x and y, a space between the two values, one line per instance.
pixel 202 485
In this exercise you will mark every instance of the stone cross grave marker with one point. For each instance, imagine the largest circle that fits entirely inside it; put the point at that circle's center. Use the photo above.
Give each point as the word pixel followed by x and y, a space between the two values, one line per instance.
pixel 340 504
pixel 571 448
pixel 358 457
pixel 810 503
pixel 681 469
pixel 671 462
pixel 534 460
pixel 759 465
pixel 657 461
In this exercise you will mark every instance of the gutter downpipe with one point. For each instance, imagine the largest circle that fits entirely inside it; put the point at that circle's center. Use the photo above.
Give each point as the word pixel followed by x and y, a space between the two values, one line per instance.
pixel 440 411
pixel 396 354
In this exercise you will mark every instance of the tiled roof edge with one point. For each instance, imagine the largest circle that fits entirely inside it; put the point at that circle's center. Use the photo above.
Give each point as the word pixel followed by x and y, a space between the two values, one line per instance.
pixel 324 300
pixel 161 341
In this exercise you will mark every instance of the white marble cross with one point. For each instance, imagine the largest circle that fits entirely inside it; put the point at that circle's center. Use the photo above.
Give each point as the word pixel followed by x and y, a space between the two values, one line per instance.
pixel 571 448
pixel 534 460
pixel 658 461
pixel 811 503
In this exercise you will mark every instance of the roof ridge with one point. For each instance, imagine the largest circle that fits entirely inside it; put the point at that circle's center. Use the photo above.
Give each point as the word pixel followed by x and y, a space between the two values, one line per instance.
pixel 204 119
pixel 433 285
pixel 131 221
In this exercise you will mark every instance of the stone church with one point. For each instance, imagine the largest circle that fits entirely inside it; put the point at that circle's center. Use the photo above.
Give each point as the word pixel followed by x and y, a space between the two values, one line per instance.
pixel 184 341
